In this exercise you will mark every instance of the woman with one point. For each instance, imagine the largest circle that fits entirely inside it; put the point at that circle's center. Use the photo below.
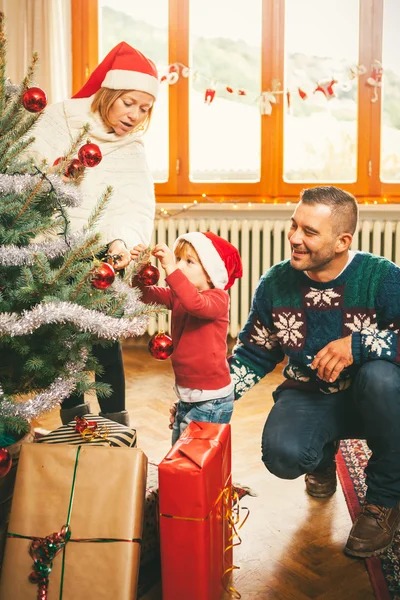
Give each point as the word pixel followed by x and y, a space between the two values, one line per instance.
pixel 117 102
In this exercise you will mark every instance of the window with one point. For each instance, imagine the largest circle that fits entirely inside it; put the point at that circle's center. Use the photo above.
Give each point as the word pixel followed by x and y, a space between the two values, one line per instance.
pixel 271 95
pixel 320 123
pixel 390 129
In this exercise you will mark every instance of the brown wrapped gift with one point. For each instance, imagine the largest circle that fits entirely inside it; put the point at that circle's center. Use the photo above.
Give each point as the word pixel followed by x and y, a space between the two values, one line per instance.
pixel 106 502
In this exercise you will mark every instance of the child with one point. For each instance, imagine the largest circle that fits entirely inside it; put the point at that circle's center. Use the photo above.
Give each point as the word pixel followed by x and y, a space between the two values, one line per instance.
pixel 203 268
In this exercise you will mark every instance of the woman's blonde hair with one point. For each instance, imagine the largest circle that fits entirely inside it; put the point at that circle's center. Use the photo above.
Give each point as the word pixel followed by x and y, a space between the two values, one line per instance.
pixel 103 100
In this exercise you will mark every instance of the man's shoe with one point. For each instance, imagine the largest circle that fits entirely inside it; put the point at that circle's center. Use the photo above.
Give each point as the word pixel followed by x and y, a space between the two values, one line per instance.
pixel 373 530
pixel 322 484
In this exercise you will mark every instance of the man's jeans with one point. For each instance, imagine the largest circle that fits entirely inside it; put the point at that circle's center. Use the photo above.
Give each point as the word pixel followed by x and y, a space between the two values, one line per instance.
pixel 212 411
pixel 301 427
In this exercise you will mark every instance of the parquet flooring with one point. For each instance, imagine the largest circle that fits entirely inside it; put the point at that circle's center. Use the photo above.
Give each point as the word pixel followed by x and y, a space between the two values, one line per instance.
pixel 291 543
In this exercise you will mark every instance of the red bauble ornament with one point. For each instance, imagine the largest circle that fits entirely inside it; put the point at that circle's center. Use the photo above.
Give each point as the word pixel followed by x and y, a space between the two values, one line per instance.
pixel 34 100
pixel 148 275
pixel 5 462
pixel 90 155
pixel 160 346
pixel 58 160
pixel 103 276
pixel 74 169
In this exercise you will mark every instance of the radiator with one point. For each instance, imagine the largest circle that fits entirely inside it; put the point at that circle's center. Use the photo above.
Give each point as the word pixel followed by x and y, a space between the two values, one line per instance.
pixel 263 243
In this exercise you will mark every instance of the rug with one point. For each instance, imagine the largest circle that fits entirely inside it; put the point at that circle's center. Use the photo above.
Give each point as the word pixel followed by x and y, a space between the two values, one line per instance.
pixel 384 570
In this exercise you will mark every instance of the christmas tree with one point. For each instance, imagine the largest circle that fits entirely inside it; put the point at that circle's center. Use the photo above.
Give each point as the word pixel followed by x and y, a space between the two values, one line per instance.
pixel 56 298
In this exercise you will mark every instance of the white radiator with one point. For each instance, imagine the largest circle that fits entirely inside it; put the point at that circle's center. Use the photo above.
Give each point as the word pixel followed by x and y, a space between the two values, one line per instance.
pixel 262 243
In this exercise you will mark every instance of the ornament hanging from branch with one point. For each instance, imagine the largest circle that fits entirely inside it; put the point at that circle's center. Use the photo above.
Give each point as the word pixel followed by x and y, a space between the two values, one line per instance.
pixel 103 276
pixel 90 154
pixel 74 169
pixel 148 275
pixel 160 346
pixel 34 100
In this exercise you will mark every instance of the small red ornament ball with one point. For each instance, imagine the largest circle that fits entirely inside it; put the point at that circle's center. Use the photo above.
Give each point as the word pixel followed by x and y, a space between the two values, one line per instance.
pixel 103 276
pixel 74 169
pixel 90 155
pixel 5 462
pixel 148 275
pixel 58 160
pixel 160 346
pixel 34 100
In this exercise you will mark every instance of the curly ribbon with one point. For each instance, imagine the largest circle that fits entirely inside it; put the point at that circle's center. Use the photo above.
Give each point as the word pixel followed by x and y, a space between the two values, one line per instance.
pixel 90 430
pixel 43 550
pixel 232 515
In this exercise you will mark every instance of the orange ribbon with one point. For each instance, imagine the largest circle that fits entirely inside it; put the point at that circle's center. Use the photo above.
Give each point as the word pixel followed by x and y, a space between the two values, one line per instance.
pixel 232 515
pixel 91 432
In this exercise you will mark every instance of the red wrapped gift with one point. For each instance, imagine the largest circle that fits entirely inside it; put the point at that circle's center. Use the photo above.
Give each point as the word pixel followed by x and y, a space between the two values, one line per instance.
pixel 195 506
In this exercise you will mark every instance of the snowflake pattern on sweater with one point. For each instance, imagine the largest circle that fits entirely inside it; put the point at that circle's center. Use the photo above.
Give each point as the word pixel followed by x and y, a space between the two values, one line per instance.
pixel 294 316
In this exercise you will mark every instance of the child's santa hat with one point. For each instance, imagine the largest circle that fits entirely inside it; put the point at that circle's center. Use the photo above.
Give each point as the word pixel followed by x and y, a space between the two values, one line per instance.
pixel 219 258
pixel 124 68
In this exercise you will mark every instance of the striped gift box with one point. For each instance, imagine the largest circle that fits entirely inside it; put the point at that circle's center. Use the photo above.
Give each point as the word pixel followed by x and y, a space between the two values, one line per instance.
pixel 117 435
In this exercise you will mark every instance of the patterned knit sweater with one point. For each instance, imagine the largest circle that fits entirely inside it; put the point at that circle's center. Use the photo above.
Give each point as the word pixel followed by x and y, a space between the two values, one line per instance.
pixel 295 316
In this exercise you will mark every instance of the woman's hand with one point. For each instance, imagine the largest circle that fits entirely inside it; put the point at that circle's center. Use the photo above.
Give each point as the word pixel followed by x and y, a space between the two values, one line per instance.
pixel 118 255
pixel 136 250
pixel 166 257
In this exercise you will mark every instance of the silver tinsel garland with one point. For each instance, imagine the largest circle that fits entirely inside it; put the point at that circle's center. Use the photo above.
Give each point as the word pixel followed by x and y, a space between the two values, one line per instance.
pixel 16 256
pixel 48 399
pixel 67 193
pixel 12 88
pixel 84 319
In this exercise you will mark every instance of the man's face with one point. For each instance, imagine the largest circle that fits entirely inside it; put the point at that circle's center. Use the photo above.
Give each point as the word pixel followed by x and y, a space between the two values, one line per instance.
pixel 311 237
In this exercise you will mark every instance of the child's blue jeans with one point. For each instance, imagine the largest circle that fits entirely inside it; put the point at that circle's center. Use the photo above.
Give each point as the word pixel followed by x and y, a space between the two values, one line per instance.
pixel 212 411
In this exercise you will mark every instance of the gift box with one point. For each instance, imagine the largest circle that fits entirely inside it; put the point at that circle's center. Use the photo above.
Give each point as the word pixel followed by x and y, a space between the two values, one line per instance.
pixel 108 432
pixel 151 532
pixel 195 509
pixel 92 494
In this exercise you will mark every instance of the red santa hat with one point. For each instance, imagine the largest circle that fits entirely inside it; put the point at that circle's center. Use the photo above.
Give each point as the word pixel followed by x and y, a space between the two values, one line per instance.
pixel 219 258
pixel 124 68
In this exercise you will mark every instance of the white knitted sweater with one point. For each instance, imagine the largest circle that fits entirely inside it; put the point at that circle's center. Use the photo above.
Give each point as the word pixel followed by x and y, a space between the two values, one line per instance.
pixel 129 214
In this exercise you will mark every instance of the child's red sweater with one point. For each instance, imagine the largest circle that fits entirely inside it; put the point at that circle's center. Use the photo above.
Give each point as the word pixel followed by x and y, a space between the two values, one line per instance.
pixel 199 331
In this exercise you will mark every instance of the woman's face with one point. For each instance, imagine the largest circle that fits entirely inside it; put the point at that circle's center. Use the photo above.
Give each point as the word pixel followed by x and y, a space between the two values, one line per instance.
pixel 129 111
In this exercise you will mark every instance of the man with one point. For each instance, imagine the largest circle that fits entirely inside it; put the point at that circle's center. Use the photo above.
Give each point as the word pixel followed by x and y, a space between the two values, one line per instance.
pixel 335 314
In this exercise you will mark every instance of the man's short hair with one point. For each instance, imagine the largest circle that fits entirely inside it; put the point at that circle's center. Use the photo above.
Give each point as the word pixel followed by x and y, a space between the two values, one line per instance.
pixel 343 206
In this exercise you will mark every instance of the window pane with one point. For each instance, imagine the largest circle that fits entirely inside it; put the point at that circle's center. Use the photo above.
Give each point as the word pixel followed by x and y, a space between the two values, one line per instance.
pixel 143 25
pixel 390 136
pixel 225 136
pixel 320 134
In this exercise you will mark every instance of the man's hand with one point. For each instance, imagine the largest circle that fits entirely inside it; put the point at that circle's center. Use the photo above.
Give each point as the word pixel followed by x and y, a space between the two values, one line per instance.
pixel 331 360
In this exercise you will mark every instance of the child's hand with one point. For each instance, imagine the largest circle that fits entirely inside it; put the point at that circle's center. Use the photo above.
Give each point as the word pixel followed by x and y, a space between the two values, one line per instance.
pixel 173 410
pixel 136 250
pixel 165 256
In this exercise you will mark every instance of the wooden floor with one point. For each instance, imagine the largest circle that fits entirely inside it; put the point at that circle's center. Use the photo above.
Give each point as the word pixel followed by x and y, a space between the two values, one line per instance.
pixel 292 543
